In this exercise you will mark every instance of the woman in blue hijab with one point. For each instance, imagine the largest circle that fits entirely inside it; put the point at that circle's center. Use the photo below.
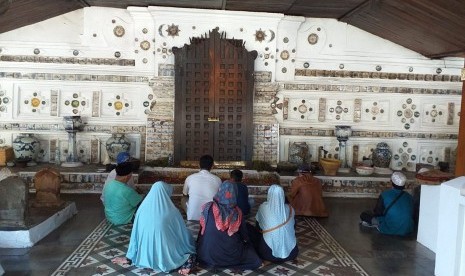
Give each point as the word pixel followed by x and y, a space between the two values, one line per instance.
pixel 160 239
pixel 275 239
pixel 223 238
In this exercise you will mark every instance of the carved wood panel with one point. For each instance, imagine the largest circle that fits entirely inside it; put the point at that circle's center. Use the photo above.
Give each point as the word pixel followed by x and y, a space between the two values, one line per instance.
pixel 214 99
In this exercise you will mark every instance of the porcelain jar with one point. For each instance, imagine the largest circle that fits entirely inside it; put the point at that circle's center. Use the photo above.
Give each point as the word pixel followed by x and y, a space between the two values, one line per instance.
pixel 382 155
pixel 115 144
pixel 26 147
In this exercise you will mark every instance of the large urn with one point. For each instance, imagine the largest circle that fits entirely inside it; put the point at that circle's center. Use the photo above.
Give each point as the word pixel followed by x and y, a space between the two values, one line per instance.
pixel 382 158
pixel 26 148
pixel 115 144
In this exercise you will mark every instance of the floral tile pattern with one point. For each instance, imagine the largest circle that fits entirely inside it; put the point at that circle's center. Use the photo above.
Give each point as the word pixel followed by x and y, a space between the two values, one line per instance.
pixel 319 254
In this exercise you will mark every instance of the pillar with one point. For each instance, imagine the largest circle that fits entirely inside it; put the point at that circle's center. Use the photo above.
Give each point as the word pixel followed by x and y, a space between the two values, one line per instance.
pixel 460 160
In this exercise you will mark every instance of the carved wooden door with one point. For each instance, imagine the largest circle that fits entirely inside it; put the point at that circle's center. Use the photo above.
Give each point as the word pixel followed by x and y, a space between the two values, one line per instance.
pixel 213 99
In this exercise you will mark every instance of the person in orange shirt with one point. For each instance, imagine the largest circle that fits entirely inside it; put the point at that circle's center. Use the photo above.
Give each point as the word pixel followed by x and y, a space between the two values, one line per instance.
pixel 306 195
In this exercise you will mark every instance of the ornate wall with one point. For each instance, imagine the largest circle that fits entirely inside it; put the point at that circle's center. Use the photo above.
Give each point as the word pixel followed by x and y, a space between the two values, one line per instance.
pixel 115 68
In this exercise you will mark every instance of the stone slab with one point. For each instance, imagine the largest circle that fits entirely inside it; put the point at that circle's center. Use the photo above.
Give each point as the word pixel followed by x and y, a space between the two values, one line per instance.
pixel 27 238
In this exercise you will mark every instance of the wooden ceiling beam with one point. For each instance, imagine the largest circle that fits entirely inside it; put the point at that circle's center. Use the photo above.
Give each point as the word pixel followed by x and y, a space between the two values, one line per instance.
pixel 354 11
pixel 458 53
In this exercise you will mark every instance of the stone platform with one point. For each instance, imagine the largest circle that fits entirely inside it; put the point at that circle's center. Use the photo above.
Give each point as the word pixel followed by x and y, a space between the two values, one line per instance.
pixel 42 221
pixel 90 179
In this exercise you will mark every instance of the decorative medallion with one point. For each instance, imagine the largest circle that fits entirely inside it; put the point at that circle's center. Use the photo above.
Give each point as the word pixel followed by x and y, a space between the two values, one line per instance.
pixel 119 31
pixel 306 64
pixel 145 45
pixel 173 30
pixel 36 51
pixel 408 113
pixel 75 52
pixel 285 40
pixel 119 105
pixel 3 101
pixel 117 54
pixel 76 104
pixel 378 68
pixel 312 38
pixel 274 105
pixel 434 114
pixel 260 35
pixel 338 110
pixel 144 30
pixel 284 55
pixel 36 102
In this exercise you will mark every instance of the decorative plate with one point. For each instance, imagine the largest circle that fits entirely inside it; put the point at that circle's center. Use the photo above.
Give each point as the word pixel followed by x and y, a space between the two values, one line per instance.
pixel 35 102
pixel 118 105
pixel 312 38
pixel 145 45
pixel 284 55
pixel 119 31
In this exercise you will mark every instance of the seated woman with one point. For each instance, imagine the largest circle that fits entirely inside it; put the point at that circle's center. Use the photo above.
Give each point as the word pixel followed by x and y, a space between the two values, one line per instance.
pixel 274 234
pixel 223 237
pixel 160 239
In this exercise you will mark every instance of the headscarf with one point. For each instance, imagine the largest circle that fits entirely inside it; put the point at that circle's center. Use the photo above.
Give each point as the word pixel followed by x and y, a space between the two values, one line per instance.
pixel 272 213
pixel 159 238
pixel 227 214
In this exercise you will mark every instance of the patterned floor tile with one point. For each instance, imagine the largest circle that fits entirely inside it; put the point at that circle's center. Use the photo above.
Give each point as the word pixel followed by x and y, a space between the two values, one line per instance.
pixel 319 254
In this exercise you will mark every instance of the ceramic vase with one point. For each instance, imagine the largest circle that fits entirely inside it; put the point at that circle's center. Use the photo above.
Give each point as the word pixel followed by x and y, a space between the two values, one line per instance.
pixel 26 147
pixel 299 153
pixel 115 144
pixel 382 155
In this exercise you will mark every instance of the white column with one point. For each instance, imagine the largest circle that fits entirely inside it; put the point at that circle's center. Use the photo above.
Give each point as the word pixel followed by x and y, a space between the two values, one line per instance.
pixel 450 253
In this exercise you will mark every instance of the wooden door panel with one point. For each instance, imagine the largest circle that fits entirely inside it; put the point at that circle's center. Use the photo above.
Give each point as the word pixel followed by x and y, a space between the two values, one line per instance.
pixel 213 99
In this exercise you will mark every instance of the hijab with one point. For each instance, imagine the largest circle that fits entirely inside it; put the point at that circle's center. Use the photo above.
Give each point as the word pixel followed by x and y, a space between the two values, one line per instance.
pixel 159 238
pixel 272 213
pixel 227 214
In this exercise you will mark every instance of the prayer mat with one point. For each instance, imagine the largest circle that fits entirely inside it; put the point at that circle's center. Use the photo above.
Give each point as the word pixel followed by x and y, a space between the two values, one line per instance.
pixel 319 254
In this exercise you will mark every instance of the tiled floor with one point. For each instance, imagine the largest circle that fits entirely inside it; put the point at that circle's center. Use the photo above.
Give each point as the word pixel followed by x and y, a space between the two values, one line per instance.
pixel 376 253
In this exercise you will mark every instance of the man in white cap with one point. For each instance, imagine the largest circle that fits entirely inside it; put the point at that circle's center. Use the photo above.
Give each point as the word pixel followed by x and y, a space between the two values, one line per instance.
pixel 393 213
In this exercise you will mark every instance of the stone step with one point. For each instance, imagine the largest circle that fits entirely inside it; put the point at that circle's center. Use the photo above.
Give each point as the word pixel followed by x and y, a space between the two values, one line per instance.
pixel 88 179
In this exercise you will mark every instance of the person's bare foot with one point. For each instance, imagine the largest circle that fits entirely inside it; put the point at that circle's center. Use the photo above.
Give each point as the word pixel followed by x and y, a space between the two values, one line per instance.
pixel 184 271
pixel 265 263
pixel 120 260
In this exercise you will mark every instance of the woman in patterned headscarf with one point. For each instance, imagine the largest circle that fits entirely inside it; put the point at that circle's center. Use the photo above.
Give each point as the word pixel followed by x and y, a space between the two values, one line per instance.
pixel 223 238
pixel 275 241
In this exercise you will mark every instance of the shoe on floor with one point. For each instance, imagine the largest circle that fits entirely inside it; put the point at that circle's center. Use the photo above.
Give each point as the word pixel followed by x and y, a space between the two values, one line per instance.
pixel 366 224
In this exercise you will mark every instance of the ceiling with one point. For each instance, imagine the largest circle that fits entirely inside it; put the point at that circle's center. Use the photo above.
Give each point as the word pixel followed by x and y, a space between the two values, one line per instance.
pixel 433 28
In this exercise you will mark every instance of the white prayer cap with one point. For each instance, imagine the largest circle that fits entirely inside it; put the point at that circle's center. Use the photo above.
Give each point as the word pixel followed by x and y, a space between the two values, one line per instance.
pixel 398 179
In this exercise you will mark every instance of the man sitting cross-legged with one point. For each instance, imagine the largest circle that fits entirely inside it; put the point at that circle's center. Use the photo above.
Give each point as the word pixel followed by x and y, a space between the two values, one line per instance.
pixel 199 188
pixel 121 201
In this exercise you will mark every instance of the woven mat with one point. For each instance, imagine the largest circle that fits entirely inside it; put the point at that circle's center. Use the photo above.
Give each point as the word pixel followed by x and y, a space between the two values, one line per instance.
pixel 319 254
